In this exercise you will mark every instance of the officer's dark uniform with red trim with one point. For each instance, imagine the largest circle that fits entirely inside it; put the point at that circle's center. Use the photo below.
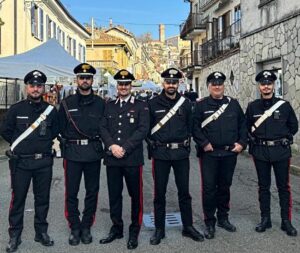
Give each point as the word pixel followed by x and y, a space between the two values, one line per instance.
pixel 270 147
pixel 31 160
pixel 126 126
pixel 82 156
pixel 170 147
pixel 217 166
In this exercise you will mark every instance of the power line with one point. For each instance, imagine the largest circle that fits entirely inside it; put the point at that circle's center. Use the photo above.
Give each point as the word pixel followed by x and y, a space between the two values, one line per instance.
pixel 141 24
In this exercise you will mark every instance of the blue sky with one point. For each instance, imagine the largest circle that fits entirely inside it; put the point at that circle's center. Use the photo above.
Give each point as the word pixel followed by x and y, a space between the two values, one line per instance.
pixel 138 16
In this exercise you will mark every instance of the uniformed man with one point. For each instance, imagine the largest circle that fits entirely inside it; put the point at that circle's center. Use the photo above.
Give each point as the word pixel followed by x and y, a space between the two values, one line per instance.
pixel 219 130
pixel 271 123
pixel 80 115
pixel 30 127
pixel 124 127
pixel 169 145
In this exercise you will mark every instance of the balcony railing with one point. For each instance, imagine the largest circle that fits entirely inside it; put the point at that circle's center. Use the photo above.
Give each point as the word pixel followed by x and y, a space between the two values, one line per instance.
pixel 185 61
pixel 194 25
pixel 104 64
pixel 224 42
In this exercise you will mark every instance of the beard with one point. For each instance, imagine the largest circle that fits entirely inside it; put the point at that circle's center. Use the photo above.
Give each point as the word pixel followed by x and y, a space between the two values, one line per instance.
pixel 170 91
pixel 85 87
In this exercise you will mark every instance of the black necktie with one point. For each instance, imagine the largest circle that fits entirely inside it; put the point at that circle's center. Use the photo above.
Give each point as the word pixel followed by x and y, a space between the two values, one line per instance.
pixel 123 103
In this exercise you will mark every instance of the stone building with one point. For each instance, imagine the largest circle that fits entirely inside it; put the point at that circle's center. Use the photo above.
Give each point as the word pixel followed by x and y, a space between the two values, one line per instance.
pixel 261 34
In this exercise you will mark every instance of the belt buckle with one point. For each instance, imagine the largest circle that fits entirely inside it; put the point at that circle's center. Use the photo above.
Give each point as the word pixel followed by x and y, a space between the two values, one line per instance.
pixel 38 156
pixel 84 142
pixel 270 143
pixel 174 146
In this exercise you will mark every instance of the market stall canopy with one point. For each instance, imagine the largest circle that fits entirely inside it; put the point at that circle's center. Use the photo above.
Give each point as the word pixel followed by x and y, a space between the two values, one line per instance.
pixel 50 58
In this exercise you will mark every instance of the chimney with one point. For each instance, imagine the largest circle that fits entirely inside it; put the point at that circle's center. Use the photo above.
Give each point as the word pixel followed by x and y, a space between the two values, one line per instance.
pixel 162 33
pixel 110 23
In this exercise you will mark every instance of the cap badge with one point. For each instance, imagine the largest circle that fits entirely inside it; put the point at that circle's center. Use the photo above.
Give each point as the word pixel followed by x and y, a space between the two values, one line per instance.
pixel 124 73
pixel 266 74
pixel 36 74
pixel 217 75
pixel 173 72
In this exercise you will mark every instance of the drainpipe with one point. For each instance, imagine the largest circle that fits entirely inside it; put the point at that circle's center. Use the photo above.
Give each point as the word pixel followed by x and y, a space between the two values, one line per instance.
pixel 15 27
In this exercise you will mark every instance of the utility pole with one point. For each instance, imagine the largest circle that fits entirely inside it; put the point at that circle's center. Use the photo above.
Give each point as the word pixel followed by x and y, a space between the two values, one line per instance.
pixel 93 24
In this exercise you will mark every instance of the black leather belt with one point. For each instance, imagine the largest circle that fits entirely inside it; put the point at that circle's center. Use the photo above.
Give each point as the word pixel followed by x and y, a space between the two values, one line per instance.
pixel 82 142
pixel 36 156
pixel 227 148
pixel 173 145
pixel 271 143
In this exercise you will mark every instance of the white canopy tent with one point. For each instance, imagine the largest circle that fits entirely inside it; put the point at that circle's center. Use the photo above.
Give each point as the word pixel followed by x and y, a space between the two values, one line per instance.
pixel 50 58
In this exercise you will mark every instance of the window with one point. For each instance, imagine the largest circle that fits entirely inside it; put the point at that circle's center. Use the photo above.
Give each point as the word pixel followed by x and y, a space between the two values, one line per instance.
pixel 54 34
pixel 237 19
pixel 69 45
pixel 79 52
pixel 74 48
pixel 63 40
pixel 37 22
pixel 49 27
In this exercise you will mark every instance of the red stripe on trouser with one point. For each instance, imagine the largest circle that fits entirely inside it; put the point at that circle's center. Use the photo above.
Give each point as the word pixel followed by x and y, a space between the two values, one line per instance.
pixel 290 192
pixel 66 182
pixel 201 187
pixel 141 197
pixel 12 195
pixel 154 192
pixel 94 215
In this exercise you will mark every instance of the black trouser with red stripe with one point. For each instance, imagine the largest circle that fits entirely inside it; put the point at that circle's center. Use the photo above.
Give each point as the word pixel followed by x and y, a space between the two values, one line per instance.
pixel 134 182
pixel 161 170
pixel 73 174
pixel 20 182
pixel 217 173
pixel 281 171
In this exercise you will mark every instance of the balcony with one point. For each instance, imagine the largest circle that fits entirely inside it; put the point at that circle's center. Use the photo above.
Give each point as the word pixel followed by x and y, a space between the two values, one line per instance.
pixel 193 26
pixel 104 64
pixel 225 42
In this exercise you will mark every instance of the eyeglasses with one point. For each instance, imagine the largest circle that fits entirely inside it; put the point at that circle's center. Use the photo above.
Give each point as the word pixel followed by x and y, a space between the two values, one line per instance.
pixel 85 77
pixel 124 83
pixel 171 81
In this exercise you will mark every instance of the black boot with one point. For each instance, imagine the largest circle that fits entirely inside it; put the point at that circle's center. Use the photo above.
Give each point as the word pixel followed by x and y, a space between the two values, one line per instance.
pixel 287 226
pixel 157 236
pixel 224 223
pixel 115 233
pixel 44 239
pixel 74 238
pixel 263 225
pixel 210 232
pixel 13 244
pixel 86 237
pixel 191 232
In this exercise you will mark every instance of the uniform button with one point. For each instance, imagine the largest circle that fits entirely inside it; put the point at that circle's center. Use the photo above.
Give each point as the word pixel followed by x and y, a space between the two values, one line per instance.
pixel 120 116
pixel 120 123
pixel 119 131
pixel 119 139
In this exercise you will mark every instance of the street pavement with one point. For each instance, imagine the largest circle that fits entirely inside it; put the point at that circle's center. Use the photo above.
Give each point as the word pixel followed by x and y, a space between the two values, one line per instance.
pixel 244 214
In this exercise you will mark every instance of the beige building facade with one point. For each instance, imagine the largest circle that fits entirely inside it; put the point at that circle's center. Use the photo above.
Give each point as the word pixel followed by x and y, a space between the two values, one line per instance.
pixel 27 24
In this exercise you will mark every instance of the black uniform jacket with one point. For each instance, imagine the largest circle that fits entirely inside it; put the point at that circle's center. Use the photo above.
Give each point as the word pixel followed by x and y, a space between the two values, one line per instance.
pixel 176 130
pixel 128 127
pixel 18 118
pixel 229 128
pixel 282 123
pixel 87 112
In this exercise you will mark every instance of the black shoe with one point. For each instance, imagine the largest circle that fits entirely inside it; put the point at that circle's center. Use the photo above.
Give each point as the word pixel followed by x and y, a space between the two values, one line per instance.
pixel 86 237
pixel 113 235
pixel 74 238
pixel 210 232
pixel 44 239
pixel 287 226
pixel 191 232
pixel 13 244
pixel 226 225
pixel 132 242
pixel 263 225
pixel 157 236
